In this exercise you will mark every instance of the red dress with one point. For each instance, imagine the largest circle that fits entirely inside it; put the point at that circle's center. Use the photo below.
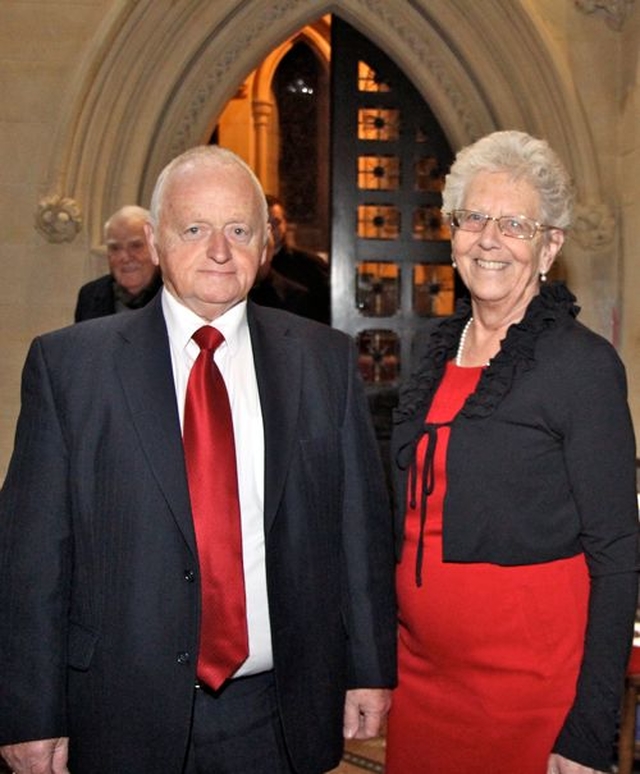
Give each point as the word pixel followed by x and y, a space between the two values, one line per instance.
pixel 488 655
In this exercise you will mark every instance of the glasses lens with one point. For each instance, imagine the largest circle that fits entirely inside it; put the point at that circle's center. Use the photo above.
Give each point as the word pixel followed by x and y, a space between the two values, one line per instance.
pixel 517 226
pixel 468 220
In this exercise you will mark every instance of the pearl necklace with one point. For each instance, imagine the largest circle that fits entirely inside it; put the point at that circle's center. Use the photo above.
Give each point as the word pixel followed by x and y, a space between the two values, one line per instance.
pixel 463 338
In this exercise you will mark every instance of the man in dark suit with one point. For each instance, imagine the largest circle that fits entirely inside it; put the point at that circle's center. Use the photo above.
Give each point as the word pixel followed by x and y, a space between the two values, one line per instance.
pixel 133 278
pixel 299 267
pixel 99 574
pixel 274 289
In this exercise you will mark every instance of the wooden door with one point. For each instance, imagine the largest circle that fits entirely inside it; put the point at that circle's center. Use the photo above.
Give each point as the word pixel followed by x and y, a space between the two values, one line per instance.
pixel 390 252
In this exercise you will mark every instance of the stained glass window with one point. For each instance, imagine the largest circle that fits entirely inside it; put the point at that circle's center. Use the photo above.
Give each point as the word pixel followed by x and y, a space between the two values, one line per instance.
pixel 378 221
pixel 378 288
pixel 379 355
pixel 378 124
pixel 433 289
pixel 378 173
pixel 370 80
pixel 428 224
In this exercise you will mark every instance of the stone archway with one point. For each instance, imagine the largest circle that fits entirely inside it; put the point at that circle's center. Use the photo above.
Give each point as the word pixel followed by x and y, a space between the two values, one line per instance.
pixel 139 105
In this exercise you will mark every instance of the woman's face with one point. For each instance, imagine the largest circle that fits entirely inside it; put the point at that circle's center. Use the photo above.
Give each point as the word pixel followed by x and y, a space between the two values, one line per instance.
pixel 498 269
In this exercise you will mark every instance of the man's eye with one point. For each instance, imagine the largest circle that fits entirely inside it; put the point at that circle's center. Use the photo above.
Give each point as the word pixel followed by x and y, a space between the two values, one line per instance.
pixel 239 232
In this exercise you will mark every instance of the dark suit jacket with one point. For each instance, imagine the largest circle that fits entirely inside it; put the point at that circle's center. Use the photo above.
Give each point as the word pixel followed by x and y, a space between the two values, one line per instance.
pixel 310 271
pixel 97 299
pixel 279 292
pixel 98 571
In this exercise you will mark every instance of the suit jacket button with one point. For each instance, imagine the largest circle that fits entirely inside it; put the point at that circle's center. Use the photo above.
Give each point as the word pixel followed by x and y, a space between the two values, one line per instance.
pixel 189 576
pixel 184 657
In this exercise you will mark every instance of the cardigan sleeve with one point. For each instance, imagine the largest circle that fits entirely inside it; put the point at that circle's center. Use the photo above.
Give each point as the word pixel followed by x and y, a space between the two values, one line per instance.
pixel 599 454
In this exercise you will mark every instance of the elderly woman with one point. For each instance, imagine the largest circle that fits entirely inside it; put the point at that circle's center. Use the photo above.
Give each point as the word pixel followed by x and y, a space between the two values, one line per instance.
pixel 516 501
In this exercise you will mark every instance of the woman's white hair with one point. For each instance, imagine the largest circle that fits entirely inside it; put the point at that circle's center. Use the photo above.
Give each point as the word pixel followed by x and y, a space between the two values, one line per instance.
pixel 524 158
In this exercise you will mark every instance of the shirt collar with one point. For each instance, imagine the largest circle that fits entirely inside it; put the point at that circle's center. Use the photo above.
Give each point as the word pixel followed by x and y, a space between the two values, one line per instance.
pixel 182 322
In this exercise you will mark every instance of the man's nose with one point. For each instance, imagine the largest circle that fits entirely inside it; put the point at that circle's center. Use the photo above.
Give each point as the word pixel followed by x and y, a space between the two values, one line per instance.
pixel 218 247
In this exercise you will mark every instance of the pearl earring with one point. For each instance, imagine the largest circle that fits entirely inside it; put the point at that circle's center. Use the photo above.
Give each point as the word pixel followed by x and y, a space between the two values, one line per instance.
pixel 543 276
pixel 453 263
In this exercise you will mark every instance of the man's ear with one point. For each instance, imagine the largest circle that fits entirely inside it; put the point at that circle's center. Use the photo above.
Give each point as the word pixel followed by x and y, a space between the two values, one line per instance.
pixel 151 241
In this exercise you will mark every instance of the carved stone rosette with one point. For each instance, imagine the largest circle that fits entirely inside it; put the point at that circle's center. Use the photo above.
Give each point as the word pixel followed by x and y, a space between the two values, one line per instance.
pixel 58 218
pixel 615 12
pixel 594 226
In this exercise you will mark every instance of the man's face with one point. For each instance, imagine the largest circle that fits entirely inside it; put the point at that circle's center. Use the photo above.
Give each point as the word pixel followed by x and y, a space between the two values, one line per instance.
pixel 278 223
pixel 130 261
pixel 211 236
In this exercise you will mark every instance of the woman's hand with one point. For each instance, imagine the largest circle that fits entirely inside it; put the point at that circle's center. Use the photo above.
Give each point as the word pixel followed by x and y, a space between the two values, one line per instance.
pixel 559 765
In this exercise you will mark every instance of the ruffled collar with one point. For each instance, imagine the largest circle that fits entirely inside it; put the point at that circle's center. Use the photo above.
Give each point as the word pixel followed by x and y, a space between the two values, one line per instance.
pixel 516 356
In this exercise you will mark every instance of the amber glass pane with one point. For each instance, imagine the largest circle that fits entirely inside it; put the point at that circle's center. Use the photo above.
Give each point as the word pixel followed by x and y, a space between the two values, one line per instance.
pixel 378 173
pixel 433 290
pixel 370 80
pixel 429 225
pixel 428 174
pixel 378 356
pixel 378 124
pixel 378 222
pixel 378 288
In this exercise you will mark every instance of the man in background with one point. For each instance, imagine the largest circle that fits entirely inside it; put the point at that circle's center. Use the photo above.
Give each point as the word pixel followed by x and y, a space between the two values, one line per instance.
pixel 133 279
pixel 277 291
pixel 300 267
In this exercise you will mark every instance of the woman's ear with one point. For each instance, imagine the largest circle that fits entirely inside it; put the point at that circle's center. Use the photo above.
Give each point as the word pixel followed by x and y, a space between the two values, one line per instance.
pixel 551 249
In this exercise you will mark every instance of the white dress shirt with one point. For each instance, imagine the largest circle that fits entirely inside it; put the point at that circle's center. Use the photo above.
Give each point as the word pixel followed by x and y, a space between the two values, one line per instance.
pixel 234 358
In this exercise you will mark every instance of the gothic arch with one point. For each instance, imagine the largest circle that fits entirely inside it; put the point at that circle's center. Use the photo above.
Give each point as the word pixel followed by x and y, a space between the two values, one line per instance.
pixel 139 105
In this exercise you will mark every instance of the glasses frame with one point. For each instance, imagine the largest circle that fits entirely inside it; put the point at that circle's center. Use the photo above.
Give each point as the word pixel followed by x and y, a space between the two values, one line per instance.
pixel 453 219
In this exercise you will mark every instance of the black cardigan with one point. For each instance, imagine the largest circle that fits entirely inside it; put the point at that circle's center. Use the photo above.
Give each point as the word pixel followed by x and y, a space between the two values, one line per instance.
pixel 541 466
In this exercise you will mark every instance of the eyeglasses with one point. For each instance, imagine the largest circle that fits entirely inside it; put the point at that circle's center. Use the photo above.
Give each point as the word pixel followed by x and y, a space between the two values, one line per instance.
pixel 516 226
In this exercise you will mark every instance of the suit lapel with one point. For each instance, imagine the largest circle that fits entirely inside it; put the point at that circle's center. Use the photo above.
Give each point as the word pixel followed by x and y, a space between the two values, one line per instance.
pixel 144 368
pixel 277 353
pixel 143 365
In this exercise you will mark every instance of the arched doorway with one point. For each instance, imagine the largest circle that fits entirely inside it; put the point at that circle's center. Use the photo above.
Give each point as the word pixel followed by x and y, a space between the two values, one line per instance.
pixel 137 107
pixel 279 124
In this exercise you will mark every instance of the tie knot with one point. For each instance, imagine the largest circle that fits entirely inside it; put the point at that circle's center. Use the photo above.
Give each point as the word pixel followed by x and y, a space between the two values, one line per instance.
pixel 208 338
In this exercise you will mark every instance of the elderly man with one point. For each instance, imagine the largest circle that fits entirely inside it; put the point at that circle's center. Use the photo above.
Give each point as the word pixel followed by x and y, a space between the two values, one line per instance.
pixel 196 561
pixel 133 278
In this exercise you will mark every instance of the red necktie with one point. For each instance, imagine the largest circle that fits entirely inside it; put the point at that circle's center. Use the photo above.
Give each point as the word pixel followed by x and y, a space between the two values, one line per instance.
pixel 213 486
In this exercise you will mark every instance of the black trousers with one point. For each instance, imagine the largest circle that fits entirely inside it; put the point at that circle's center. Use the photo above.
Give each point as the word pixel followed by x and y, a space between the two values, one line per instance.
pixel 237 729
